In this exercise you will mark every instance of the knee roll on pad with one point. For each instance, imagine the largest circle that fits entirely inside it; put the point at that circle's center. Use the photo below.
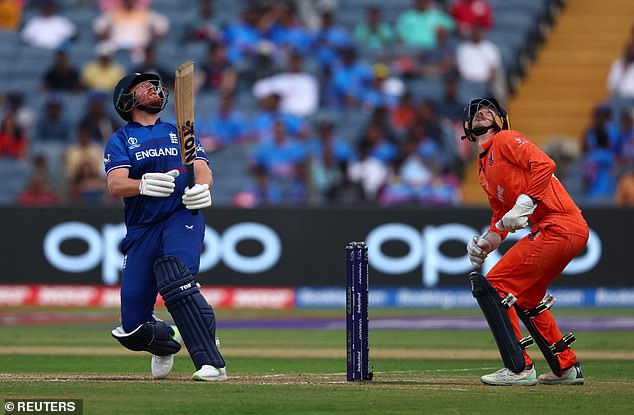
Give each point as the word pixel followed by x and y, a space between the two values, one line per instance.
pixel 193 315
pixel 154 337
pixel 495 311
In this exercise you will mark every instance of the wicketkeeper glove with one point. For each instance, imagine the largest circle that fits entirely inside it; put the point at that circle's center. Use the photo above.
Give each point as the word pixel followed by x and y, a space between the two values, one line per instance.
pixel 158 184
pixel 517 217
pixel 197 197
pixel 480 246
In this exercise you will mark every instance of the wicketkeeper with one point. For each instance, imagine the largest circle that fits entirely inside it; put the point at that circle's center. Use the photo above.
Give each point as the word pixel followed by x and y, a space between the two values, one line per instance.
pixel 164 240
pixel 519 182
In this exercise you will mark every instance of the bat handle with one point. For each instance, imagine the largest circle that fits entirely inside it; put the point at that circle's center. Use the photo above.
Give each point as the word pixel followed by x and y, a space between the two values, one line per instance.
pixel 191 181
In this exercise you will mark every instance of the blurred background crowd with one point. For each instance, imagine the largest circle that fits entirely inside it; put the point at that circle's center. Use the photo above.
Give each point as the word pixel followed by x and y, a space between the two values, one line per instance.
pixel 298 102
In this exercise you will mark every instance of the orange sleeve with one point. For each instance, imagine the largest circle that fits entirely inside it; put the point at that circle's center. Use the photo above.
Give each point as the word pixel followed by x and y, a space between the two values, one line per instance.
pixel 538 166
pixel 498 212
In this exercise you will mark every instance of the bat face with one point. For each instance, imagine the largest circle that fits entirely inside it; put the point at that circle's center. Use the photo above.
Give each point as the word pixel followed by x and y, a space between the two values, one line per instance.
pixel 184 109
pixel 187 142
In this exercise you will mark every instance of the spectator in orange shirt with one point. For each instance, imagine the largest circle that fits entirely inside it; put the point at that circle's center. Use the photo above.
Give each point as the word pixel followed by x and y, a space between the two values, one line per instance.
pixel 518 179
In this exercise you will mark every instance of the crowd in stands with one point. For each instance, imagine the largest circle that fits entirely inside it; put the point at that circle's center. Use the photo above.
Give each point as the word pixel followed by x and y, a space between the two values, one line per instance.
pixel 608 143
pixel 312 104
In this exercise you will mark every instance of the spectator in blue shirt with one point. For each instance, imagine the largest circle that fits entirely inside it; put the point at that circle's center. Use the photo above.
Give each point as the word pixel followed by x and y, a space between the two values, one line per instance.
pixel 222 128
pixel 349 79
pixel 53 125
pixel 599 161
pixel 330 39
pixel 263 120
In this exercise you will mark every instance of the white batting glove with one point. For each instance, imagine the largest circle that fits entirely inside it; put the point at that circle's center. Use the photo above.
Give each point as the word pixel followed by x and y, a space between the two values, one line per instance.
pixel 158 184
pixel 197 197
pixel 480 246
pixel 517 217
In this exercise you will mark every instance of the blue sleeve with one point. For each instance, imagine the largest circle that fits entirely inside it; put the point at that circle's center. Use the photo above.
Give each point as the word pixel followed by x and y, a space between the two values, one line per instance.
pixel 115 153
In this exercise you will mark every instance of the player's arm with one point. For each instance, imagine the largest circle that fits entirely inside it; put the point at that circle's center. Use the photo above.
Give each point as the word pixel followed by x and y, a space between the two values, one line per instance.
pixel 150 184
pixel 203 173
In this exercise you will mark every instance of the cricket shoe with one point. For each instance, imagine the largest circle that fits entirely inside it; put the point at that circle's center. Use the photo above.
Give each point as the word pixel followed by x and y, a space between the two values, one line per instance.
pixel 506 377
pixel 210 373
pixel 162 365
pixel 571 376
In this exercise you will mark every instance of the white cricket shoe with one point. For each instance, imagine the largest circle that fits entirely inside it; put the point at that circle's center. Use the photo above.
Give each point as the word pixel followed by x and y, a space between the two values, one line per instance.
pixel 506 377
pixel 162 365
pixel 210 373
pixel 570 376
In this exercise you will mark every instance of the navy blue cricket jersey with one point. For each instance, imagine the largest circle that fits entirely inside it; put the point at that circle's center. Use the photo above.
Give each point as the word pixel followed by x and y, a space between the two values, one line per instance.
pixel 148 149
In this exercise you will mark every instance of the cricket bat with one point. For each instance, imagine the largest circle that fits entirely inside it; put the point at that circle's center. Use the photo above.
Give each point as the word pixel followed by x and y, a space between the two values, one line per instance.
pixel 184 109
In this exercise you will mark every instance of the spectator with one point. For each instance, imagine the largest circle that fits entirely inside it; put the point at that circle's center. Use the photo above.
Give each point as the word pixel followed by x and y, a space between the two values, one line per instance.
pixel 378 146
pixel 480 60
pixel 103 73
pixel 243 37
pixel 625 136
pixel 207 26
pixel 417 27
pixel 87 186
pixel 13 142
pixel 284 161
pixel 374 33
pixel 217 73
pixel 383 91
pixel 53 124
pixel 10 14
pixel 450 107
pixel 263 120
pixel 222 128
pixel 39 191
pixel 151 65
pixel 62 76
pixel 441 60
pixel 298 89
pixel 349 78
pixel 25 116
pixel 345 191
pixel 48 30
pixel 290 35
pixel 601 125
pixel 97 122
pixel 85 150
pixel 330 39
pixel 327 152
pixel 621 76
pixel 598 162
pixel 131 27
pixel 311 11
pixel 471 13
pixel 370 172
pixel 403 115
pixel 625 189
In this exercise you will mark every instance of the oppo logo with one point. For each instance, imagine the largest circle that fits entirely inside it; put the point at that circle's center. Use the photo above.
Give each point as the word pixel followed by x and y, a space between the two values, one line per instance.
pixel 103 247
pixel 424 251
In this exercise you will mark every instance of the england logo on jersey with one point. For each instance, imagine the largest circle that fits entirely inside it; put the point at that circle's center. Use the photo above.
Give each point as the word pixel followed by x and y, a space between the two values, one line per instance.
pixel 173 138
pixel 134 143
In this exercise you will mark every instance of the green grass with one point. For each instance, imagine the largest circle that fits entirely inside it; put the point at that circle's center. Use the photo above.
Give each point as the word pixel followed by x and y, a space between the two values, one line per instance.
pixel 120 383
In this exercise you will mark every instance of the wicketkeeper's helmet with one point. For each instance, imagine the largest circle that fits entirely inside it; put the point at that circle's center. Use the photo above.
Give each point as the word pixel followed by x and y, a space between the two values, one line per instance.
pixel 500 119
pixel 124 101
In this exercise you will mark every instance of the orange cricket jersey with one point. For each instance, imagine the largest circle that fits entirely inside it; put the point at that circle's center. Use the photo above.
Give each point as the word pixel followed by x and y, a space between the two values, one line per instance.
pixel 511 165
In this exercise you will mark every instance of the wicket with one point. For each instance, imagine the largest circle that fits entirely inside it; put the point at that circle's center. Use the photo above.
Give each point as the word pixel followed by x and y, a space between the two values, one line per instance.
pixel 357 346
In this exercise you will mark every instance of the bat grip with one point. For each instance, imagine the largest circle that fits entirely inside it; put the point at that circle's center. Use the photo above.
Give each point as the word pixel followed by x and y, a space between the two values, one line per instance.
pixel 191 180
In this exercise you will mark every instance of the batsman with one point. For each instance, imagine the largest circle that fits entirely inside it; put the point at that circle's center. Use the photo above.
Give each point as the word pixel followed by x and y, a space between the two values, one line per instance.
pixel 521 187
pixel 164 238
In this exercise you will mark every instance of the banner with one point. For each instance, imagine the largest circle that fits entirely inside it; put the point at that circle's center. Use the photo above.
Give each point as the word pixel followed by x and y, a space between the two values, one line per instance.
pixel 422 248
